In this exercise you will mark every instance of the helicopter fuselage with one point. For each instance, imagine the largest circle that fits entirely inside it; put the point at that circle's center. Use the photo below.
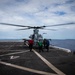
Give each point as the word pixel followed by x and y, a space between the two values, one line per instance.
pixel 36 36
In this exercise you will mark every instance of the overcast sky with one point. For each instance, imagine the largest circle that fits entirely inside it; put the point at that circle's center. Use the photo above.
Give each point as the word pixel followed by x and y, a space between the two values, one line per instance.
pixel 37 13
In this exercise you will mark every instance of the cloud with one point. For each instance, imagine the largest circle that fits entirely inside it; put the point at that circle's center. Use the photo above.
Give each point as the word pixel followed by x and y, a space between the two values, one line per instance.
pixel 69 1
pixel 73 8
pixel 37 13
pixel 60 13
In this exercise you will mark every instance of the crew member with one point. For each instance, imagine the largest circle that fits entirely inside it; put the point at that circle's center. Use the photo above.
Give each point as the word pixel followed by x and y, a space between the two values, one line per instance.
pixel 40 45
pixel 47 45
pixel 30 42
pixel 44 43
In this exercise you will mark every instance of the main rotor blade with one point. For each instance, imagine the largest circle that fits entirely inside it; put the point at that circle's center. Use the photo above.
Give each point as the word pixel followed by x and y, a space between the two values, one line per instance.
pixel 60 24
pixel 24 29
pixel 32 27
pixel 14 25
pixel 50 29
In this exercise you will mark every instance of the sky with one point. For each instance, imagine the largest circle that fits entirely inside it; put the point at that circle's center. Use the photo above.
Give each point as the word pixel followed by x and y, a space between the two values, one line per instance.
pixel 37 13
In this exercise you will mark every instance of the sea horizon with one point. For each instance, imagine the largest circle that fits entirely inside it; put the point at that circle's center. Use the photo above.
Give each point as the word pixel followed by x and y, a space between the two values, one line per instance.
pixel 64 43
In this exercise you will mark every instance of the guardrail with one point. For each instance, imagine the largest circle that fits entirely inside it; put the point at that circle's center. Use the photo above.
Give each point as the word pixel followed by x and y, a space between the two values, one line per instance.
pixel 60 48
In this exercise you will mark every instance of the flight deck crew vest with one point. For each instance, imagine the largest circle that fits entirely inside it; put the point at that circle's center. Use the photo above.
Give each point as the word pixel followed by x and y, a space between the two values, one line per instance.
pixel 40 44
pixel 47 42
pixel 30 41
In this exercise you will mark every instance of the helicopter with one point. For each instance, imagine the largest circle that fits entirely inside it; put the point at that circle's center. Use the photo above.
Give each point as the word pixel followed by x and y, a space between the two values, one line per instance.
pixel 36 36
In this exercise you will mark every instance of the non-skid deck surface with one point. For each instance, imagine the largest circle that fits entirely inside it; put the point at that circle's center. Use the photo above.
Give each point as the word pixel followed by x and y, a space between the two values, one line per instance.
pixel 23 62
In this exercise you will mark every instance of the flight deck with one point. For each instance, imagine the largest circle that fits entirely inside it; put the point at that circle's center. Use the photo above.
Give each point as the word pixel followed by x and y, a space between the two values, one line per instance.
pixel 16 59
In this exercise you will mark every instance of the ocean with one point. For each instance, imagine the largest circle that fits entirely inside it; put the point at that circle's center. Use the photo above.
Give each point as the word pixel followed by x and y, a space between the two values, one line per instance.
pixel 66 43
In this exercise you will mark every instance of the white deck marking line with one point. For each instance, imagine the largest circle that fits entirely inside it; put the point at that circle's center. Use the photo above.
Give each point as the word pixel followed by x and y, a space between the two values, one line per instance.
pixel 10 50
pixel 49 64
pixel 14 57
pixel 11 45
pixel 26 69
pixel 14 53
